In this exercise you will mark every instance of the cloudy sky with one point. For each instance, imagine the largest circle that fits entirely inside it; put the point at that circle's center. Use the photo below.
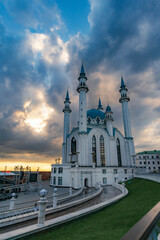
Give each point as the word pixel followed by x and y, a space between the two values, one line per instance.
pixel 42 45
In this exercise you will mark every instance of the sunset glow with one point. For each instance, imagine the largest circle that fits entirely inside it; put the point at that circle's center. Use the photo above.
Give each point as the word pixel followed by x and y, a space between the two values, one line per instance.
pixel 37 118
pixel 41 57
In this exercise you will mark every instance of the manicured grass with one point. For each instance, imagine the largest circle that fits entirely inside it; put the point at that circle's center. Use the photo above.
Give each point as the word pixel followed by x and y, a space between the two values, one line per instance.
pixel 112 222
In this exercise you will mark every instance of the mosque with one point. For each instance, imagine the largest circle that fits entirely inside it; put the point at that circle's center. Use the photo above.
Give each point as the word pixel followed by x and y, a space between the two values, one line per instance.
pixel 94 152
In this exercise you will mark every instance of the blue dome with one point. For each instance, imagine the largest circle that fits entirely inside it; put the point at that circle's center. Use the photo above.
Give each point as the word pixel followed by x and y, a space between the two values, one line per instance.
pixel 108 109
pixel 93 113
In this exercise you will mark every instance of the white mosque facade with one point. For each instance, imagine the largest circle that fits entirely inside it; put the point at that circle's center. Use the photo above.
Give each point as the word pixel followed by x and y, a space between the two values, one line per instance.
pixel 94 152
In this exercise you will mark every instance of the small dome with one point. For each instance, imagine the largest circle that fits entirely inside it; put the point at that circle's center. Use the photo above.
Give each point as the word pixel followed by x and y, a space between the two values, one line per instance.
pixel 108 109
pixel 93 113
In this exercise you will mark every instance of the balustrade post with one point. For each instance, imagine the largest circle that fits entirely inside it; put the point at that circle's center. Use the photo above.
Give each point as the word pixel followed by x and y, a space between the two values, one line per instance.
pixel 70 190
pixel 124 189
pixel 55 198
pixel 12 201
pixel 42 206
pixel 81 183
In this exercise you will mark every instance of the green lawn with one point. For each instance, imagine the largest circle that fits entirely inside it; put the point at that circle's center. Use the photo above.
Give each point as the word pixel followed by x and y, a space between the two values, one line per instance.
pixel 112 222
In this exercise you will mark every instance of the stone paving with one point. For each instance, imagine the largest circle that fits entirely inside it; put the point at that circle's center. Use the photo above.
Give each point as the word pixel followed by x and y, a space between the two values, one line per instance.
pixel 110 195
pixel 33 196
pixel 151 176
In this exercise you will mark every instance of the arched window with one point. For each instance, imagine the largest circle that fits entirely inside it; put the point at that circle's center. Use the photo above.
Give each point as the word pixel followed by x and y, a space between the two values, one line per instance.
pixel 98 120
pixel 89 120
pixel 102 151
pixel 119 153
pixel 94 154
pixel 73 146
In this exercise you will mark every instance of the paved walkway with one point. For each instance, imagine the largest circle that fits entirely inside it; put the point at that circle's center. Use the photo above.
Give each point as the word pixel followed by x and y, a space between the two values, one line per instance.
pixel 153 177
pixel 110 195
pixel 25 197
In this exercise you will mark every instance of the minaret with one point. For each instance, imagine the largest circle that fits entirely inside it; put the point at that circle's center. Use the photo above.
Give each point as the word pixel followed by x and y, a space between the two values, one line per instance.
pixel 83 143
pixel 100 105
pixel 109 120
pixel 82 89
pixel 67 111
pixel 124 99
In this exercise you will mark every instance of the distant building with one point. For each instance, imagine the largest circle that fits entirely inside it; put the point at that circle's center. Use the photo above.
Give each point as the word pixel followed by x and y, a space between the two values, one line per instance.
pixel 7 176
pixel 94 151
pixel 44 176
pixel 148 161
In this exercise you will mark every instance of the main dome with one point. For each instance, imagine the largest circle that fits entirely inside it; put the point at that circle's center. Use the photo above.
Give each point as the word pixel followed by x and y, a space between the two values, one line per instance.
pixel 93 113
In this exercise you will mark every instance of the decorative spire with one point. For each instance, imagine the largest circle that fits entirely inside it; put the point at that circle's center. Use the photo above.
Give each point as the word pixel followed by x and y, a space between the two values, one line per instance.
pixel 82 73
pixel 122 82
pixel 82 81
pixel 67 103
pixel 123 90
pixel 109 114
pixel 67 96
pixel 124 99
pixel 100 105
pixel 108 109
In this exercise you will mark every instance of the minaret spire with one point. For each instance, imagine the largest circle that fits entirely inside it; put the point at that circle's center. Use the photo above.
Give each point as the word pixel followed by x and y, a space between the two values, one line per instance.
pixel 100 105
pixel 109 120
pixel 67 96
pixel 67 111
pixel 122 81
pixel 82 89
pixel 124 99
pixel 82 70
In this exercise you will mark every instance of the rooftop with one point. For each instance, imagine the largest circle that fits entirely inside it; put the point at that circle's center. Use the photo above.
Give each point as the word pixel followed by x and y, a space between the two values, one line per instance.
pixel 93 113
pixel 150 152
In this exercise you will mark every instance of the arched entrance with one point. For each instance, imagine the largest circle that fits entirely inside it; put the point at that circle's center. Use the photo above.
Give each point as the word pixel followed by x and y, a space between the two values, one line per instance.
pixel 86 182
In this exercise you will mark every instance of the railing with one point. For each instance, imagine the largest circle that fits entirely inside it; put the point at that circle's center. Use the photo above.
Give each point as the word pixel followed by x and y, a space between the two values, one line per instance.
pixel 121 187
pixel 62 204
pixel 147 228
pixel 155 233
pixel 31 203
pixel 28 207
pixel 74 198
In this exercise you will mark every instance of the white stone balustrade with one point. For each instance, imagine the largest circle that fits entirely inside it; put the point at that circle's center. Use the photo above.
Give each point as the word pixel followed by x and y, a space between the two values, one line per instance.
pixel 42 207
pixel 12 201
pixel 55 198
pixel 70 190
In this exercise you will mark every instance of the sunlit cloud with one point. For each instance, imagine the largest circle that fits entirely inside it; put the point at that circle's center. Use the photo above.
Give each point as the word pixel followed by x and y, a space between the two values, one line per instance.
pixel 40 58
pixel 52 51
pixel 27 103
pixel 34 115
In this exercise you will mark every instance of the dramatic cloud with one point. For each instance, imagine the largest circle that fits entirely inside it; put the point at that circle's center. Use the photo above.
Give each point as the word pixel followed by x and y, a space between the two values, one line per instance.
pixel 38 63
pixel 125 37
